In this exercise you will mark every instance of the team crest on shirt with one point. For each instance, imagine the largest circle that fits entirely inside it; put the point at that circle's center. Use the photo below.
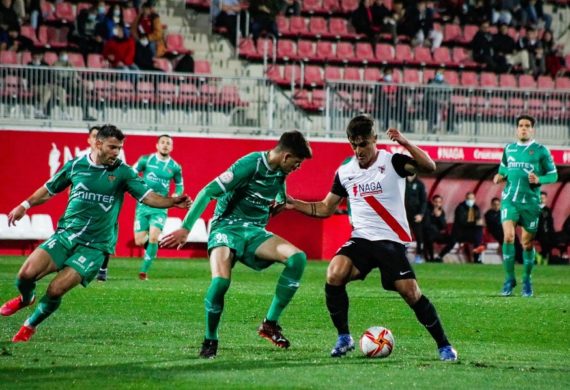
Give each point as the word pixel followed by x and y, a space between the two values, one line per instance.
pixel 169 170
pixel 382 168
pixel 531 152
pixel 111 177
pixel 226 177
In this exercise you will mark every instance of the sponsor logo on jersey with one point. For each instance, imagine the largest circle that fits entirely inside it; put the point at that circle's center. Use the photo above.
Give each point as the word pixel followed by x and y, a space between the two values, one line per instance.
pixel 85 194
pixel 369 188
pixel 226 177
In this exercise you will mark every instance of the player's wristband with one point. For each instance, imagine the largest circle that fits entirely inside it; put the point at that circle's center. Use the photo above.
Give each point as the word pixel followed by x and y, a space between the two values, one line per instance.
pixel 25 204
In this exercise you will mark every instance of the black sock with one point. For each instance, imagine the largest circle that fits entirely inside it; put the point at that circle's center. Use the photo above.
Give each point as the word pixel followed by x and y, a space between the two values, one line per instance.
pixel 145 245
pixel 427 316
pixel 337 303
pixel 106 262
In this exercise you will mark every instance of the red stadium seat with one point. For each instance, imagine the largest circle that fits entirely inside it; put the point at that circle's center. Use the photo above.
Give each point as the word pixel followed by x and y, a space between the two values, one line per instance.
pixel 187 93
pixel 545 82
pixel 286 50
pixel 318 26
pixel 301 99
pixel 175 44
pixel 333 73
pixel 452 33
pixel 497 106
pixel 319 99
pixel 202 67
pixel 397 76
pixel 515 106
pixel 460 57
pixel 96 61
pixel 507 81
pixel 25 58
pixel 344 51
pixel 28 32
pixel 76 60
pixel 229 96
pixel 103 90
pixel 57 37
pixel 50 57
pixel 562 83
pixel 282 25
pixel 48 11
pixel 313 75
pixel 489 80
pixel 163 64
pixel 247 48
pixel 298 25
pixel 306 50
pixel 166 93
pixel 451 77
pixel 442 57
pixel 145 92
pixel 364 52
pixel 526 81
pixel 385 53
pixel 325 50
pixel 469 32
pixel 469 79
pixel 124 91
pixel 352 74
pixel 554 109
pixel 338 27
pixel 411 76
pixel 428 74
pixel 348 6
pixel 331 6
pixel 312 6
pixel 275 74
pixel 265 47
pixel 65 12
pixel 82 6
pixel 292 72
pixel 536 108
pixel 403 54
pixel 8 57
pixel 460 104
pixel 422 56
pixel 372 74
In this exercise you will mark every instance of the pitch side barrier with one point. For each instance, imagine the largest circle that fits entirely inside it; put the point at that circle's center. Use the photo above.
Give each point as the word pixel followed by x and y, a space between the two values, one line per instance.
pixel 449 113
pixel 69 97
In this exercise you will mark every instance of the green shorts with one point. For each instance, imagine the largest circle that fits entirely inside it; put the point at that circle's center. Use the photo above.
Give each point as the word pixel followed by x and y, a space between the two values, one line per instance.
pixel 85 260
pixel 147 217
pixel 524 215
pixel 243 241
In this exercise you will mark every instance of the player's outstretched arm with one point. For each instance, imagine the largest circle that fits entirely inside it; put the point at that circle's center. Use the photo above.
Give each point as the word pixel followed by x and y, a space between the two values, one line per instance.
pixel 324 208
pixel 424 161
pixel 164 202
pixel 41 195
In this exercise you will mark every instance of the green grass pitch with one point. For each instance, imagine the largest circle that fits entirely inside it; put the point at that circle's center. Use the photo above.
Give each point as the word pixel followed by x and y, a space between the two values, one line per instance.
pixel 131 334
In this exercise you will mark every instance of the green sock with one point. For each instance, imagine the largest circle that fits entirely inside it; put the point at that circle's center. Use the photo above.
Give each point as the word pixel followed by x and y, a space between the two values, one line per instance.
pixel 287 285
pixel 44 309
pixel 509 260
pixel 27 289
pixel 149 255
pixel 214 303
pixel 528 263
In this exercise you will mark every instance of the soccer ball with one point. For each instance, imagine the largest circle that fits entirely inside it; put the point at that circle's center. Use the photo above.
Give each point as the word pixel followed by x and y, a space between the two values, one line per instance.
pixel 377 342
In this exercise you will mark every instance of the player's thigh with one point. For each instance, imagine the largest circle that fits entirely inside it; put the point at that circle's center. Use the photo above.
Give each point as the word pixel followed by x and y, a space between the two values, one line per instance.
pixel 273 248
pixel 38 264
pixel 221 262
pixel 341 270
pixel 65 280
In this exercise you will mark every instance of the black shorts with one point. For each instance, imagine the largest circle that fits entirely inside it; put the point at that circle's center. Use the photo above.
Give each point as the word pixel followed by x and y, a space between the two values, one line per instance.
pixel 388 256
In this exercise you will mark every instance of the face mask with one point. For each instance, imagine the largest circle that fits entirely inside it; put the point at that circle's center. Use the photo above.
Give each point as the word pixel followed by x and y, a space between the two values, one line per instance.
pixel 63 58
pixel 91 17
pixel 470 202
pixel 144 42
pixel 388 78
pixel 439 77
pixel 116 19
pixel 116 32
pixel 36 61
pixel 101 10
pixel 116 13
pixel 542 205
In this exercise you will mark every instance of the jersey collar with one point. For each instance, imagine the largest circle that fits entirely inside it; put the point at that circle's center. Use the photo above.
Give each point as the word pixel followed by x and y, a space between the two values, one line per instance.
pixel 527 144
pixel 92 163
pixel 159 158
pixel 265 162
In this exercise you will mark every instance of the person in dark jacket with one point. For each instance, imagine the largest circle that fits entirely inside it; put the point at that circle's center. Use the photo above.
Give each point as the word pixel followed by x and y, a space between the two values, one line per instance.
pixel 495 227
pixel 435 227
pixel 416 204
pixel 545 232
pixel 482 47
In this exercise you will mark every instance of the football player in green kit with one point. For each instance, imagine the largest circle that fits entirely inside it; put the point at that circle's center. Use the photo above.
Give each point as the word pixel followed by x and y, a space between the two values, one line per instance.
pixel 246 195
pixel 85 233
pixel 525 166
pixel 157 169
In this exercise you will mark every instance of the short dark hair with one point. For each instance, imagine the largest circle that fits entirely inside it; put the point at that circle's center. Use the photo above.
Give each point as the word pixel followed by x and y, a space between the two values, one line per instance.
pixel 294 142
pixel 527 117
pixel 360 126
pixel 163 135
pixel 436 196
pixel 469 193
pixel 93 128
pixel 495 199
pixel 109 131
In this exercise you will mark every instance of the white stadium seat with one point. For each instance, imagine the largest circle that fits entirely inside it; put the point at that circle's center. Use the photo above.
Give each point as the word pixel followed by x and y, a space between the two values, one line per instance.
pixel 42 226
pixel 22 230
pixel 199 232
pixel 172 224
pixel 4 233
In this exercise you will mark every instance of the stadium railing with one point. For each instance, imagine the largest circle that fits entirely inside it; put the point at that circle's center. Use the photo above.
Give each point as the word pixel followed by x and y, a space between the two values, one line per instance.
pixel 69 97
pixel 452 113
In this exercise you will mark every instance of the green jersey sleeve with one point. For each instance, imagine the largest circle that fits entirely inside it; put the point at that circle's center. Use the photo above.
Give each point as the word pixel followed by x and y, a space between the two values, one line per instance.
pixel 140 165
pixel 135 185
pixel 550 175
pixel 61 180
pixel 503 170
pixel 178 181
pixel 238 174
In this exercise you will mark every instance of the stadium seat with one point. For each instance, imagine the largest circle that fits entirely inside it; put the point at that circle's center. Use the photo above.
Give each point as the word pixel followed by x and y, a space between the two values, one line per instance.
pixel 25 58
pixel 545 82
pixel 554 109
pixel 515 107
pixel 229 96
pixel 29 32
pixel 460 104
pixel 422 56
pixel 42 226
pixel 536 108
pixel 507 81
pixel 469 79
pixel 202 67
pixel 526 81
pixel 286 50
pixel 187 93
pixel 57 37
pixel 385 53
pixel 124 91
pixel 48 11
pixel 452 33
pixel 274 73
pixel 302 99
pixel 451 77
pixel 282 25
pixel 76 60
pixel 312 6
pixel 489 80
pixel 129 15
pixel 325 51
pixel 403 54
pixel 163 64
pixel 247 48
pixel 469 32
pixel 103 90
pixel 442 57
pixel 397 76
pixel 318 26
pixel 198 234
pixel 171 224
pixel 338 27
pixel 562 83
pixel 497 106
pixel 331 6
pixel 175 44
pixel 313 75
pixel 166 93
pixel 65 12
pixel 429 73
pixel 96 61
pixel 332 73
pixel 372 74
pixel 8 57
pixel 364 52
pixel 352 74
pixel 82 6
pixel 344 51
pixel 292 73
pixel 318 99
pixel 411 76
pixel 306 50
pixel 264 48
pixel 461 57
pixel 348 6
pixel 298 25
pixel 50 57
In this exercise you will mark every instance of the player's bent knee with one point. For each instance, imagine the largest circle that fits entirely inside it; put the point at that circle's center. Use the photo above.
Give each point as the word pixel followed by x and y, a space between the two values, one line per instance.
pixel 296 264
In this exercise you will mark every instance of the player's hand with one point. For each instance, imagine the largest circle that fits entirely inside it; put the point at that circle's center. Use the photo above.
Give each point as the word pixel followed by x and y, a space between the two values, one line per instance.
pixel 182 202
pixel 290 203
pixel 418 218
pixel 176 239
pixel 276 208
pixel 533 179
pixel 498 179
pixel 396 136
pixel 16 214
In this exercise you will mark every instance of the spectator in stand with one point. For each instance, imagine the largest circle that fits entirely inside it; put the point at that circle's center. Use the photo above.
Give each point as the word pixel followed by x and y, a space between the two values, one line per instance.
pixel 383 18
pixel 364 21
pixel 143 54
pixel 12 40
pixel 454 11
pixel 467 227
pixel 404 23
pixel 36 79
pixel 290 8
pixel 84 33
pixel 533 14
pixel 437 102
pixel 425 35
pixel 263 13
pixel 562 242
pixel 388 103
pixel 482 47
pixel 8 17
pixel 416 205
pixel 113 18
pixel 35 13
pixel 148 22
pixel 435 227
pixel 506 55
pixel 227 17
pixel 553 54
pixel 545 233
pixel 533 45
pixel 120 51
pixel 479 12
pixel 495 227
pixel 504 11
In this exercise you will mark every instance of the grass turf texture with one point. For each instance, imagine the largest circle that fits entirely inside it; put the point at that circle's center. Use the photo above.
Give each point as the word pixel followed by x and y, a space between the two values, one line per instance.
pixel 131 334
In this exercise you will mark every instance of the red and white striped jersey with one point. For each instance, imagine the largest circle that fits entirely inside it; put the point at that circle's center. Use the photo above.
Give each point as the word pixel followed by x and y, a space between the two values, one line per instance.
pixel 376 197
